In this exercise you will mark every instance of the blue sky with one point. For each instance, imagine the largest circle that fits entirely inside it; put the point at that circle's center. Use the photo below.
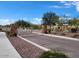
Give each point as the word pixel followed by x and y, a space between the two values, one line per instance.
pixel 33 11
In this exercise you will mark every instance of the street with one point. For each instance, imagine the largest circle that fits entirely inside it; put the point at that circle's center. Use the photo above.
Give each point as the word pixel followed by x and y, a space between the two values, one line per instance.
pixel 69 47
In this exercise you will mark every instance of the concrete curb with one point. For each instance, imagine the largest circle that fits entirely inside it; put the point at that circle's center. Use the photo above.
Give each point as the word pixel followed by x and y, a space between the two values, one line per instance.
pixel 7 50
pixel 51 35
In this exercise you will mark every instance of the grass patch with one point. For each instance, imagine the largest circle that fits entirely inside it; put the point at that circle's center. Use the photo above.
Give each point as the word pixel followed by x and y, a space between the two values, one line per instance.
pixel 50 54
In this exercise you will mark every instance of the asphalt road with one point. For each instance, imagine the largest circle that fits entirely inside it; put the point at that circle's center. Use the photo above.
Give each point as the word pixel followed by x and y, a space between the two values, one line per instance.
pixel 69 47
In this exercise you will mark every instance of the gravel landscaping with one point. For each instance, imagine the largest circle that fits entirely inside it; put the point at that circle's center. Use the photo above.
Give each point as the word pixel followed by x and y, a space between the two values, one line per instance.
pixel 25 49
pixel 67 34
pixel 73 35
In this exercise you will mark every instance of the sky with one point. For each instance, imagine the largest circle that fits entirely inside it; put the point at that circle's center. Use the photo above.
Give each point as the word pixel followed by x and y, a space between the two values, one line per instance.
pixel 32 11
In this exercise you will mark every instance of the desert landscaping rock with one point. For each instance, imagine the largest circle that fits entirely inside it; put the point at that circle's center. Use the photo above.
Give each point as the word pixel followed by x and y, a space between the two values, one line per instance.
pixel 25 49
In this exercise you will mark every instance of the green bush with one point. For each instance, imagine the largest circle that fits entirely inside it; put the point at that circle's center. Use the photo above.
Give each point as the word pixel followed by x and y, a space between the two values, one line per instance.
pixel 36 27
pixel 50 54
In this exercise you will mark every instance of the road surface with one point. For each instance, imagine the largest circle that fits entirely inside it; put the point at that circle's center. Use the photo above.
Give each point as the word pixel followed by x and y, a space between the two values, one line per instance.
pixel 69 47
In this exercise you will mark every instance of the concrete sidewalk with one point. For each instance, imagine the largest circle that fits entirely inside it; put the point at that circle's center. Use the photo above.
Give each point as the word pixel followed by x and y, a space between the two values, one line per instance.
pixel 6 48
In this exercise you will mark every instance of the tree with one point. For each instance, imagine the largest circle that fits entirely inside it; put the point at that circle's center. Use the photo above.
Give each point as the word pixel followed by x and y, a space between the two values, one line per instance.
pixel 55 19
pixel 36 26
pixel 74 22
pixel 50 19
pixel 22 23
pixel 44 23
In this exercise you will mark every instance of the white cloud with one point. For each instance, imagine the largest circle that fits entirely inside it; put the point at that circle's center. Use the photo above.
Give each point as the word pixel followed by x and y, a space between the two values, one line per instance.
pixel 62 1
pixel 55 6
pixel 65 5
pixel 71 3
pixel 26 19
pixel 68 2
pixel 69 18
pixel 77 6
pixel 33 20
pixel 36 20
pixel 61 6
pixel 6 21
pixel 63 19
pixel 68 14
pixel 9 21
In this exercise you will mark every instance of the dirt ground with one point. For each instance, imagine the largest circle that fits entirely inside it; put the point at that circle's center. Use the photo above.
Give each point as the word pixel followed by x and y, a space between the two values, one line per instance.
pixel 25 49
pixel 67 34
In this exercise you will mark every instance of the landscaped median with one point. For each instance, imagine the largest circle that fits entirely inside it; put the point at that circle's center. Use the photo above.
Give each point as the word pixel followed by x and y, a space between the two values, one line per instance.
pixel 25 49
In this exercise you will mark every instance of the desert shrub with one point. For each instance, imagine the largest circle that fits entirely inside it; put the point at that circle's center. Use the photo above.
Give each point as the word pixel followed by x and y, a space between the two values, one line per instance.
pixel 50 54
pixel 74 30
pixel 49 30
